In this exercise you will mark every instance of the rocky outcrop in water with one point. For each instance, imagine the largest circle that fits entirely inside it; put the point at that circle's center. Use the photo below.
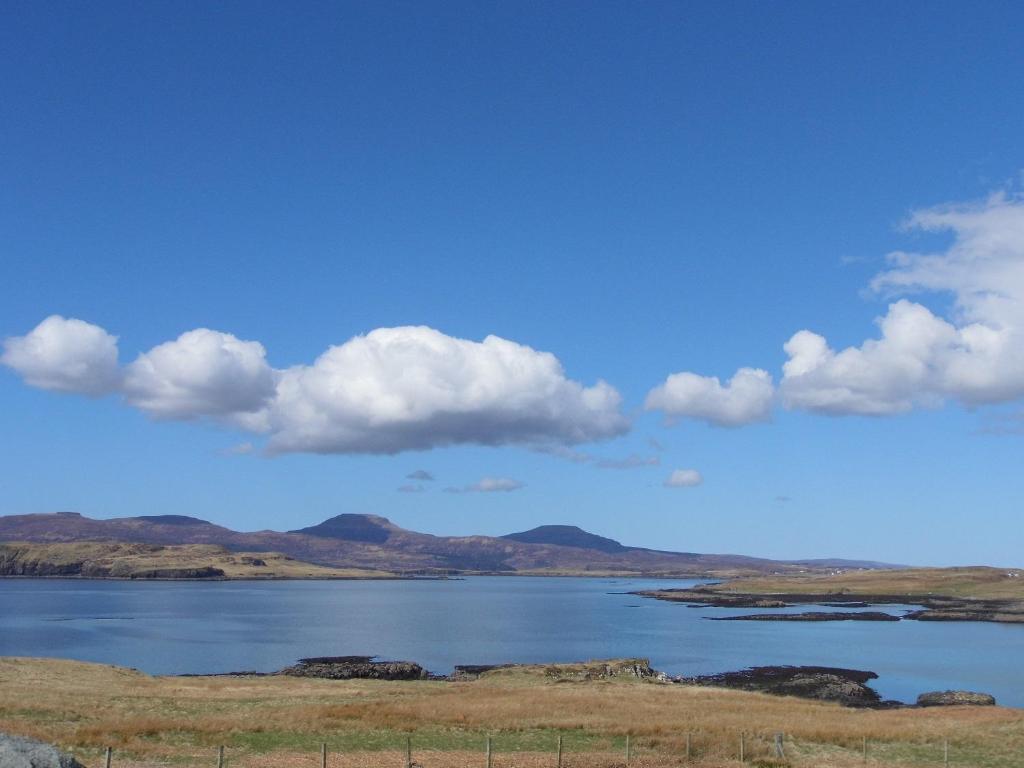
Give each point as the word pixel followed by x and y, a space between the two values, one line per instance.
pixel 355 668
pixel 955 699
pixel 21 752
pixel 845 686
pixel 812 616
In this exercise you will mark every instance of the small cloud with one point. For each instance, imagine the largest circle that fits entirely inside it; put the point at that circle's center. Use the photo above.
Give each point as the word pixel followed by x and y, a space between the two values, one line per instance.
pixel 630 462
pixel 488 485
pixel 242 449
pixel 411 488
pixel 746 398
pixel 656 445
pixel 783 499
pixel 684 478
pixel 420 474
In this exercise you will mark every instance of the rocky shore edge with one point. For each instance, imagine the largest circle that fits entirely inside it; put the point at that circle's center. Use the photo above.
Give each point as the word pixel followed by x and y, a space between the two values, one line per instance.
pixel 932 607
pixel 848 687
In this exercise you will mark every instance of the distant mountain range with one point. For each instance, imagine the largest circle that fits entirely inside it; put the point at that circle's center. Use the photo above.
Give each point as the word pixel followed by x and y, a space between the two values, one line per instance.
pixel 375 543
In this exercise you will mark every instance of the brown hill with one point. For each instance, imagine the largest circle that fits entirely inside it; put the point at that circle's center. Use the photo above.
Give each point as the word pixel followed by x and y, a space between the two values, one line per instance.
pixel 120 560
pixel 375 543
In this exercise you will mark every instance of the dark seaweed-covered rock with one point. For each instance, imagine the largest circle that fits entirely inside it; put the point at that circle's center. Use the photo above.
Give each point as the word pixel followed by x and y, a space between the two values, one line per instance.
pixel 21 752
pixel 845 686
pixel 955 699
pixel 355 667
pixel 812 616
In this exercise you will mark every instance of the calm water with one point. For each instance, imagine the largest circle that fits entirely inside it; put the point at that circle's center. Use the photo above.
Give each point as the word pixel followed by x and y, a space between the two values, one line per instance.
pixel 176 627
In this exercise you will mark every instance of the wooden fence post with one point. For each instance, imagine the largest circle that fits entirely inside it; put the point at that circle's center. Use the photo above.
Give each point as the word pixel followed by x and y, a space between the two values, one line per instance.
pixel 687 746
pixel 742 749
pixel 220 757
pixel 106 760
pixel 559 752
pixel 627 749
pixel 323 754
pixel 488 752
pixel 945 753
pixel 408 752
pixel 780 750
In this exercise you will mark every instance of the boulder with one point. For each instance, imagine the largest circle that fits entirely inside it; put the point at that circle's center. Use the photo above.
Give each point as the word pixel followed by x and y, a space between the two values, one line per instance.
pixel 955 699
pixel 21 752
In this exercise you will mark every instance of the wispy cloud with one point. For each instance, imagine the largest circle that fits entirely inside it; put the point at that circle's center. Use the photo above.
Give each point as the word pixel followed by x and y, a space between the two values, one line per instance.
pixel 632 461
pixel 420 475
pixel 489 485
pixel 411 488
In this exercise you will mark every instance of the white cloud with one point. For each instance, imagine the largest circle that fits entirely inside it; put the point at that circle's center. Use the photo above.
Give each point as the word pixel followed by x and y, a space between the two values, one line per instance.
pixel 392 390
pixel 919 358
pixel 201 373
pixel 65 355
pixel 399 389
pixel 684 478
pixel 746 398
pixel 489 485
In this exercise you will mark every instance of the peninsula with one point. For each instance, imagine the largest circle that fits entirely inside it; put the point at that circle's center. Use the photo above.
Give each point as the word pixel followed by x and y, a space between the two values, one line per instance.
pixel 976 593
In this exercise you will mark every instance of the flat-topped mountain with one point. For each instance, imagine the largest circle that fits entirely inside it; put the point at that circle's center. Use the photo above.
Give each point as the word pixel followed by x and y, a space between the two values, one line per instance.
pixel 375 543
pixel 567 536
pixel 352 528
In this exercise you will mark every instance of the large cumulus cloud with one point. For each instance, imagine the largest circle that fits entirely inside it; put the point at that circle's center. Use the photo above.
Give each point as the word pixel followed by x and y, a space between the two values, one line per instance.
pixel 976 355
pixel 65 355
pixel 201 373
pixel 392 390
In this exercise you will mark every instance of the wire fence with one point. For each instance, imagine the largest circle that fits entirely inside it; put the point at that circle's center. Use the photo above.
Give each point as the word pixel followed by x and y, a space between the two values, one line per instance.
pixel 775 750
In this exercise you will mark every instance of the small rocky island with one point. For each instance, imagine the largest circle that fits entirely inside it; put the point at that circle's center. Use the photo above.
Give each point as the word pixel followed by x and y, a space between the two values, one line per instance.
pixel 811 616
pixel 974 593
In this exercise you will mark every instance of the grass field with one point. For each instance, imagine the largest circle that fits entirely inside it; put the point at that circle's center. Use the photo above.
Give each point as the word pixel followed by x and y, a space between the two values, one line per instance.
pixel 975 582
pixel 132 560
pixel 281 721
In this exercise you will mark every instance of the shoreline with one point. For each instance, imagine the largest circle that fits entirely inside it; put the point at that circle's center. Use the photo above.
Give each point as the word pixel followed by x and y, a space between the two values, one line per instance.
pixel 935 607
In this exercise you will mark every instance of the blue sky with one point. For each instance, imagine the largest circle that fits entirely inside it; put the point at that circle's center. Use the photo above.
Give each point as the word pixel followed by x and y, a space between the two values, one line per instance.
pixel 638 189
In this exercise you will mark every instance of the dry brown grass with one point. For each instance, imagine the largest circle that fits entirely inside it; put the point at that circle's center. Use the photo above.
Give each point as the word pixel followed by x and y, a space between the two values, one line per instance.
pixel 280 721
pixel 123 559
pixel 976 582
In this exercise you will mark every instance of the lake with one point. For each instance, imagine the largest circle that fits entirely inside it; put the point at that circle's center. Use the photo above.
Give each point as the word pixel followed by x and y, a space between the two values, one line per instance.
pixel 195 627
